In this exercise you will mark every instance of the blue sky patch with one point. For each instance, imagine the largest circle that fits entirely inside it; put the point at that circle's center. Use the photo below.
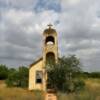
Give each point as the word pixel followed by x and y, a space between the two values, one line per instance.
pixel 48 5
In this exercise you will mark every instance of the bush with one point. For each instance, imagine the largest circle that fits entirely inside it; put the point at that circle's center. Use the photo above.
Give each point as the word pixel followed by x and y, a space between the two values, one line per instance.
pixel 79 85
pixel 18 77
pixel 23 76
pixel 13 79
pixel 3 72
pixel 60 76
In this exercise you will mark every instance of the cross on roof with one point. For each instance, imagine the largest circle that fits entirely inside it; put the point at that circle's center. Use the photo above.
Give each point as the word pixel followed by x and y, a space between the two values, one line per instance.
pixel 50 25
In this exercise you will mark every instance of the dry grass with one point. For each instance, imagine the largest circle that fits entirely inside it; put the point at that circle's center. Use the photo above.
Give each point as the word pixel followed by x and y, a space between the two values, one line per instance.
pixel 18 93
pixel 91 92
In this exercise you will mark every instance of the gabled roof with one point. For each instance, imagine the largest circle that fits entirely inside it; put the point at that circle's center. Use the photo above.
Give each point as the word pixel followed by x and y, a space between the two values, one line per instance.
pixel 36 62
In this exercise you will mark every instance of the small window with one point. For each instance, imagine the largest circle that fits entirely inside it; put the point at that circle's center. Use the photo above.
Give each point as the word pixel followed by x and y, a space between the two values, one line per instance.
pixel 39 76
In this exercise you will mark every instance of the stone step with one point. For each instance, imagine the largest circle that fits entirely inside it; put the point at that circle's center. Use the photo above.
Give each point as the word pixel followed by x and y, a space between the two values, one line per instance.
pixel 50 96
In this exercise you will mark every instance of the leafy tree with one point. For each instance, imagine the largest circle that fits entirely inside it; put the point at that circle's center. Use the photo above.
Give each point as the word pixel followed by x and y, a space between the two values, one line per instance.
pixel 95 75
pixel 18 77
pixel 3 72
pixel 90 74
pixel 23 73
pixel 61 76
pixel 11 70
pixel 13 79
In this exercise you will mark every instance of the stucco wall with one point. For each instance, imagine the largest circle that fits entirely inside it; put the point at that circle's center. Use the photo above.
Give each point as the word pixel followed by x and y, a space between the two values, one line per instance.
pixel 32 76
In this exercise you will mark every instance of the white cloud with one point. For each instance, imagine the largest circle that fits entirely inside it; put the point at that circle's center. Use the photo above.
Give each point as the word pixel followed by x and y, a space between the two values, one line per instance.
pixel 18 4
pixel 78 29
pixel 70 2
pixel 22 34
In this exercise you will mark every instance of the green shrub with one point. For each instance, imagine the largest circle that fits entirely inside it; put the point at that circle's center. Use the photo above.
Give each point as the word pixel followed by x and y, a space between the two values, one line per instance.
pixel 13 79
pixel 18 77
pixel 3 72
pixel 79 85
pixel 60 75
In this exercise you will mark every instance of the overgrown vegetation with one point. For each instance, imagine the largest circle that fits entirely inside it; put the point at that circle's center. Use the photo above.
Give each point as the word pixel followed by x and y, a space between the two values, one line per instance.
pixel 64 76
pixel 90 74
pixel 90 92
pixel 18 78
pixel 61 76
pixel 14 77
pixel 3 72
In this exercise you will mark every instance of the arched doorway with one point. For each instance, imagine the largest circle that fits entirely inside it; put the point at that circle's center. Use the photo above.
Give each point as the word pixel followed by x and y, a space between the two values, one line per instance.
pixel 50 58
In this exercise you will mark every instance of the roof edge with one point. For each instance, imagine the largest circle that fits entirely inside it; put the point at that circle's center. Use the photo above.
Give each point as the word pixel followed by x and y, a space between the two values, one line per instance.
pixel 35 62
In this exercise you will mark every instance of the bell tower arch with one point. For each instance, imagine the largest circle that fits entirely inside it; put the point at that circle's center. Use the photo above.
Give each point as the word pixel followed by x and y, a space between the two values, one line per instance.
pixel 50 45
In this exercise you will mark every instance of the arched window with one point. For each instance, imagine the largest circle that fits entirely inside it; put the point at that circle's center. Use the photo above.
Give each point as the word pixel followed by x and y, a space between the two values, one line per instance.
pixel 50 58
pixel 50 40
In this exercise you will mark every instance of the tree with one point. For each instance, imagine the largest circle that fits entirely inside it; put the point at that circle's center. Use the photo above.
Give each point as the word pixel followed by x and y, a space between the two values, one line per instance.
pixel 13 78
pixel 23 73
pixel 18 77
pixel 61 75
pixel 3 72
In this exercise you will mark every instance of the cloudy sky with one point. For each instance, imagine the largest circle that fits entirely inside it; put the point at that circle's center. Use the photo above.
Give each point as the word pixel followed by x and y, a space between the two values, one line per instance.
pixel 76 21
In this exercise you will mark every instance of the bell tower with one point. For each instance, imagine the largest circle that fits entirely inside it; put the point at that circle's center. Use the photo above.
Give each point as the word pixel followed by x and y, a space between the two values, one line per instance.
pixel 50 46
pixel 38 78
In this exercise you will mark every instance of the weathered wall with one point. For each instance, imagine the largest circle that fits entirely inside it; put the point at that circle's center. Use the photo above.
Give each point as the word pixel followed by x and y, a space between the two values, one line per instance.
pixel 32 76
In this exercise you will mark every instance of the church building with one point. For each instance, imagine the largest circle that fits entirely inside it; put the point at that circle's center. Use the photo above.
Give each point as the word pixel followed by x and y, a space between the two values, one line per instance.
pixel 37 70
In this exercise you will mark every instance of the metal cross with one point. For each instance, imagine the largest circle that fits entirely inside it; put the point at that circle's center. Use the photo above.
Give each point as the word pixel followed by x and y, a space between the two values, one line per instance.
pixel 50 25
